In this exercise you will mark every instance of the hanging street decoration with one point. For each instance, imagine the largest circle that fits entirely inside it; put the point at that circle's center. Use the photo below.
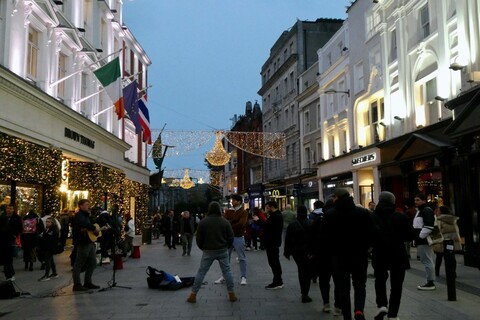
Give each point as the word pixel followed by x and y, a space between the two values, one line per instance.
pixel 186 182
pixel 264 144
pixel 218 156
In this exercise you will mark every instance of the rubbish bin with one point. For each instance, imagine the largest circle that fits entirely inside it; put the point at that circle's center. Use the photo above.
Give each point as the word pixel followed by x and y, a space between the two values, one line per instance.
pixel 147 233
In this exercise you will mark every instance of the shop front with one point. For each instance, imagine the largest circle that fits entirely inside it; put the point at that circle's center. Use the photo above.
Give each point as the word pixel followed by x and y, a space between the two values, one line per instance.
pixel 418 163
pixel 307 192
pixel 465 178
pixel 356 171
pixel 278 194
pixel 61 157
pixel 255 196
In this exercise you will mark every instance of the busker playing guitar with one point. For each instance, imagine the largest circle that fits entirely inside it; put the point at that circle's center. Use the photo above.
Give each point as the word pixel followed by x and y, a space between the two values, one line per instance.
pixel 83 232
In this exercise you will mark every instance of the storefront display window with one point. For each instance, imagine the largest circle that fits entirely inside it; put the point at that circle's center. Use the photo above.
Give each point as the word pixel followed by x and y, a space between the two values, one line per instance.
pixel 430 184
pixel 329 186
pixel 366 195
pixel 70 198
pixel 5 192
pixel 28 197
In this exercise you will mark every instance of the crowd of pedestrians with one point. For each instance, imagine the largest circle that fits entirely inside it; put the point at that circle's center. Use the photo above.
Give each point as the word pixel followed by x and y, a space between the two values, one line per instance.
pixel 331 245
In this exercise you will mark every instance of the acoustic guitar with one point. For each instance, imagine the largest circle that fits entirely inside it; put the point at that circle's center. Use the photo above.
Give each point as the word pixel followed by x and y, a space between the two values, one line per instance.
pixel 92 236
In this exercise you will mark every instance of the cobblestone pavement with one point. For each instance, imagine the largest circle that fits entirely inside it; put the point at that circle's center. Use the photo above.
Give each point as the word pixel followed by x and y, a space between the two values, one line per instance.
pixel 54 299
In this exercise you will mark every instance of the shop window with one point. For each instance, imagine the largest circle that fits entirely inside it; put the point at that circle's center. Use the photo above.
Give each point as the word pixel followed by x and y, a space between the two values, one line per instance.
pixel 5 192
pixel 69 199
pixel 366 195
pixel 28 197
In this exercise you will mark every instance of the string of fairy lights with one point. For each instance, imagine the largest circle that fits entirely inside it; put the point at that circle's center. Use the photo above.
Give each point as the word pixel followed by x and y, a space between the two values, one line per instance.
pixel 263 144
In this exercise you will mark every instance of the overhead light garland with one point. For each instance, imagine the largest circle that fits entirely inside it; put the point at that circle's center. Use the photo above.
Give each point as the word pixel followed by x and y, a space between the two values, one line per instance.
pixel 218 156
pixel 264 144
pixel 186 182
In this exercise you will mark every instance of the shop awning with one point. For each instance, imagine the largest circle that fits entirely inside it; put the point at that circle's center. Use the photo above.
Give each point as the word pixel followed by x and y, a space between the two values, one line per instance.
pixel 467 113
pixel 421 144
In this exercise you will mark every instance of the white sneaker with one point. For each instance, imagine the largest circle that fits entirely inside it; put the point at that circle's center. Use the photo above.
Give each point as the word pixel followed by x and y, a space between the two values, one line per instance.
pixel 106 260
pixel 243 282
pixel 337 312
pixel 220 280
pixel 326 308
pixel 11 279
pixel 381 313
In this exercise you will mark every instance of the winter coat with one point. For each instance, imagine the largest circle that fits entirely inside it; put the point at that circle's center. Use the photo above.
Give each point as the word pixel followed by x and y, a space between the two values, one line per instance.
pixel 423 224
pixel 391 230
pixel 48 241
pixel 448 226
pixel 317 213
pixel 81 223
pixel 272 229
pixel 238 219
pixel 347 229
pixel 214 232
pixel 191 222
pixel 297 237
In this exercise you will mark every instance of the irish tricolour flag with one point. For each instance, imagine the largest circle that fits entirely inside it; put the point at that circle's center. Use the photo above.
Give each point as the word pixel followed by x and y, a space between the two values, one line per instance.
pixel 110 78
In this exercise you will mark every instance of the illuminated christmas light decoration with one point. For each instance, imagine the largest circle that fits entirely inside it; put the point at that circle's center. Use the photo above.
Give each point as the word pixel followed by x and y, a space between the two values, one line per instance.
pixel 264 144
pixel 216 178
pixel 186 182
pixel 218 156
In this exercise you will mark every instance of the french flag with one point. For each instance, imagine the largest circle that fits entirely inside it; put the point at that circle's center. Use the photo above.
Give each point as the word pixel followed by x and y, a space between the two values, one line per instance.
pixel 144 119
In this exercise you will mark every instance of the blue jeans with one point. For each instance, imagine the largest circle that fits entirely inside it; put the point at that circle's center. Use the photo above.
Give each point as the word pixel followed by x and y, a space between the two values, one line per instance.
pixel 208 257
pixel 425 253
pixel 239 246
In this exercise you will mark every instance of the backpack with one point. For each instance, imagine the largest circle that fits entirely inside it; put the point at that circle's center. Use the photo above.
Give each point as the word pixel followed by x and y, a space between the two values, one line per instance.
pixel 30 225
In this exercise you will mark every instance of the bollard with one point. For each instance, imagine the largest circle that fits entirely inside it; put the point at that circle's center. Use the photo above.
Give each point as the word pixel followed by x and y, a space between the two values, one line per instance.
pixel 449 255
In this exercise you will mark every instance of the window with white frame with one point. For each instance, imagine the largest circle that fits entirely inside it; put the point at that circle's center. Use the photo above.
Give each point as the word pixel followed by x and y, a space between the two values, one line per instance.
pixel 306 122
pixel 331 145
pixel 426 108
pixel 373 21
pixel 342 96
pixel 62 72
pixel 33 49
pixel 319 151
pixel 359 77
pixel 83 93
pixel 292 82
pixel 424 22
pixel 345 140
pixel 307 157
pixel 393 45
pixel 319 115
pixel 373 121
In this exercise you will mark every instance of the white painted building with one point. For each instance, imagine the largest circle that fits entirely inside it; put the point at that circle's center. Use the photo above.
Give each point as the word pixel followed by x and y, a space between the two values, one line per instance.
pixel 43 42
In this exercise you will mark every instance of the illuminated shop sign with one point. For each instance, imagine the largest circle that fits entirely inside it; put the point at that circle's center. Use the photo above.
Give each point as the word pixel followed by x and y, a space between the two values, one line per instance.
pixel 364 159
pixel 79 138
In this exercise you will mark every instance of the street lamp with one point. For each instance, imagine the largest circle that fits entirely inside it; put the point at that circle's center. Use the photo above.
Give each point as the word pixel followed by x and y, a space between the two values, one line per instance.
pixel 332 91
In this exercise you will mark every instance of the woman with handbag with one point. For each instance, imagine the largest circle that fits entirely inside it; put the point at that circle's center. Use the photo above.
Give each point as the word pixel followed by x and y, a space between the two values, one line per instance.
pixel 447 223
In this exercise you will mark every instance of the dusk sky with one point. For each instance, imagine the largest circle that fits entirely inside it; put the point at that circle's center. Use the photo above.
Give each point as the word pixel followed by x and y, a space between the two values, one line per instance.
pixel 207 56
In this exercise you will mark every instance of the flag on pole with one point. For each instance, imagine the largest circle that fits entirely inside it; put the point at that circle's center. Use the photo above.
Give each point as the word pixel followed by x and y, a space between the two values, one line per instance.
pixel 130 96
pixel 110 77
pixel 144 119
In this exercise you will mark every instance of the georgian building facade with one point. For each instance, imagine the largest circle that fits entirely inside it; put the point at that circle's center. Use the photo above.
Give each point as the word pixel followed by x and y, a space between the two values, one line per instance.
pixel 292 54
pixel 52 103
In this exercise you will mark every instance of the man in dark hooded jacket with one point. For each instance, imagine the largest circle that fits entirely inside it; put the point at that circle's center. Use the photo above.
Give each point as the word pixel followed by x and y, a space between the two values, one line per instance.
pixel 392 230
pixel 349 230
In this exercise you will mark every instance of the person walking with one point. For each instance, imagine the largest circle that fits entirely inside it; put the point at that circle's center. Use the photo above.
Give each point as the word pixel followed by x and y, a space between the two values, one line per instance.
pixel 288 216
pixel 392 230
pixel 10 228
pixel 272 240
pixel 296 245
pixel 170 229
pixel 321 258
pixel 423 225
pixel 85 247
pixel 129 235
pixel 348 228
pixel 447 223
pixel 187 230
pixel 65 227
pixel 48 242
pixel 214 237
pixel 238 218
pixel 29 238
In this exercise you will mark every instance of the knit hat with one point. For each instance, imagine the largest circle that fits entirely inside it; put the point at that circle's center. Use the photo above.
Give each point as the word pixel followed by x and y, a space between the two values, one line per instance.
pixel 341 192
pixel 386 197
